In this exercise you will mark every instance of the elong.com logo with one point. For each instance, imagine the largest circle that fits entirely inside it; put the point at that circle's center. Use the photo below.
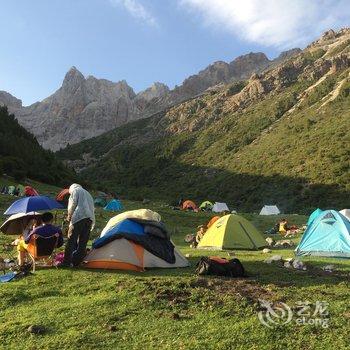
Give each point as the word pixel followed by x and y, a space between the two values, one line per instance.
pixel 303 313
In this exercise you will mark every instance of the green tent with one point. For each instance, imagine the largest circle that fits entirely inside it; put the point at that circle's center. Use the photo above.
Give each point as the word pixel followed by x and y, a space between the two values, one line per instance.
pixel 206 206
pixel 232 232
pixel 100 202
pixel 11 190
pixel 21 190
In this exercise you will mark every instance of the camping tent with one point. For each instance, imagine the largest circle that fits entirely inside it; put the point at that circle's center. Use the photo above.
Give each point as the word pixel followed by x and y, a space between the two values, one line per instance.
pixel 220 207
pixel 114 205
pixel 63 197
pixel 269 210
pixel 232 232
pixel 123 254
pixel 206 205
pixel 189 205
pixel 30 191
pixel 314 215
pixel 11 190
pixel 100 202
pixel 135 245
pixel 21 190
pixel 328 235
pixel 346 213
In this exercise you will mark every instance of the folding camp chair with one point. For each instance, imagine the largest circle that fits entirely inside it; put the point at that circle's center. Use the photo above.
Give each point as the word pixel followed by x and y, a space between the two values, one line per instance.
pixel 42 248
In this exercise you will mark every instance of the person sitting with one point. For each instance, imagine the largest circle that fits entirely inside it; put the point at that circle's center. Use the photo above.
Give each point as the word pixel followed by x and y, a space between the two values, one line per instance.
pixel 45 230
pixel 200 234
pixel 283 228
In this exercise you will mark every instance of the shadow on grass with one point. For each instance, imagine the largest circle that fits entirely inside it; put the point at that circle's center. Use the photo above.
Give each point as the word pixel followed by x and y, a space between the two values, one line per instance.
pixel 257 271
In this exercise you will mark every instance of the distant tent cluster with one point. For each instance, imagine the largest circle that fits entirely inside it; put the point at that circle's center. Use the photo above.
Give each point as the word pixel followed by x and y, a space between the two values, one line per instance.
pixel 19 191
pixel 216 207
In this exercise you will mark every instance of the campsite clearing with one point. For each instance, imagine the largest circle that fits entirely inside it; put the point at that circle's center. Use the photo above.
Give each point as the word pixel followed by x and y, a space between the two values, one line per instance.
pixel 173 308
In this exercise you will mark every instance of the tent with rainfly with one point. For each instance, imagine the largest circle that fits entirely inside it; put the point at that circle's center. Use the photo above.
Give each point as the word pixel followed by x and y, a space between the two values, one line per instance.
pixel 100 202
pixel 314 215
pixel 220 207
pixel 189 205
pixel 269 210
pixel 114 205
pixel 206 205
pixel 131 243
pixel 21 190
pixel 29 191
pixel 63 197
pixel 232 232
pixel 328 235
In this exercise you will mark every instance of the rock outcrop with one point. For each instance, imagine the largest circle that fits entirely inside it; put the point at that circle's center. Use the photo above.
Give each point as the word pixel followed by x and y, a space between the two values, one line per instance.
pixel 10 101
pixel 86 107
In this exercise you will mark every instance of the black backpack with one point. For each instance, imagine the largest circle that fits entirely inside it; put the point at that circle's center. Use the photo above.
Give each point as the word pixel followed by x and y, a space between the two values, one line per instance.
pixel 220 267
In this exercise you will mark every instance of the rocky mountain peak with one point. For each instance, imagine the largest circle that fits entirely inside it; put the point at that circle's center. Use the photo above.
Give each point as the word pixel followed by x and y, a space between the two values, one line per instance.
pixel 10 101
pixel 243 66
pixel 289 53
pixel 156 90
pixel 73 79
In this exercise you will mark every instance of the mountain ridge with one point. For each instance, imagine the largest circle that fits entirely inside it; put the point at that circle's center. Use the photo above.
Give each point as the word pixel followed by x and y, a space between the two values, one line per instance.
pixel 279 137
pixel 86 107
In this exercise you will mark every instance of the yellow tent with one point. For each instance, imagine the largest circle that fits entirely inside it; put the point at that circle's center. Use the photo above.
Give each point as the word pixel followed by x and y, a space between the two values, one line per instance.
pixel 232 232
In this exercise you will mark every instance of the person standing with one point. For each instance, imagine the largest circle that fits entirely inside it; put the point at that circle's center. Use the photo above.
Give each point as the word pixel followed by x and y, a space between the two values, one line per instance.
pixel 81 218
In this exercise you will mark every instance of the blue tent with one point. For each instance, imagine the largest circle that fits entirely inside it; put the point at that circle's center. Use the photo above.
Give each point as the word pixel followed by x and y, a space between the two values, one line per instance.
pixel 313 216
pixel 114 205
pixel 328 235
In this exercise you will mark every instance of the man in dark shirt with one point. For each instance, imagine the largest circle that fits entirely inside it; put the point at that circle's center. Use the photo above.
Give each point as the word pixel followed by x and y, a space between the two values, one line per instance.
pixel 44 230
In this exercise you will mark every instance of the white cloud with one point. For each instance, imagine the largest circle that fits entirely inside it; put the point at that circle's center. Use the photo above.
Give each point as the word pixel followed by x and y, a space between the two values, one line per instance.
pixel 277 23
pixel 136 10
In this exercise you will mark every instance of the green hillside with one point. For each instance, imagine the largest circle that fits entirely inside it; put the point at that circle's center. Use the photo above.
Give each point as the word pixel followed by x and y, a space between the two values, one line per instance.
pixel 22 157
pixel 282 137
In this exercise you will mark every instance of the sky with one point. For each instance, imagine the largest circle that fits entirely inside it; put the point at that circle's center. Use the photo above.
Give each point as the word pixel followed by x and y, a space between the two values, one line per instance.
pixel 143 41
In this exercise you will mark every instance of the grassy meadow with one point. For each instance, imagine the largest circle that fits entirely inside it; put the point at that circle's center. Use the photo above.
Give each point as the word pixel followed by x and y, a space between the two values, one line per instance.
pixel 172 308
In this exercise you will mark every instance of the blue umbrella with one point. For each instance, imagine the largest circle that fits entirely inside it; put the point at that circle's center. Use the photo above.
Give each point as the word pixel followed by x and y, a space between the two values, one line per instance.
pixel 35 203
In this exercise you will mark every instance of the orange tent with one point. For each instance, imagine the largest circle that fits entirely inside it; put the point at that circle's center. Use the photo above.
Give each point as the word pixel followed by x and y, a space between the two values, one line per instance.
pixel 212 220
pixel 189 205
pixel 30 191
pixel 61 196
pixel 122 254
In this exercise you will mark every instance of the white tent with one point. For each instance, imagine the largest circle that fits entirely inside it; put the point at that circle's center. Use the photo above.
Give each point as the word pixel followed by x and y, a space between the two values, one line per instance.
pixel 346 213
pixel 269 210
pixel 220 207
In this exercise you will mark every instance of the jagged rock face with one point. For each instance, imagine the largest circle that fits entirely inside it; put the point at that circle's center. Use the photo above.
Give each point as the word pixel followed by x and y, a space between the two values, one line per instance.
pixel 10 101
pixel 155 91
pixel 86 107
pixel 80 109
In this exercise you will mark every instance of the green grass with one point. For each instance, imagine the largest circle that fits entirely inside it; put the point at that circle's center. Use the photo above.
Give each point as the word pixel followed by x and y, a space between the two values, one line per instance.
pixel 171 309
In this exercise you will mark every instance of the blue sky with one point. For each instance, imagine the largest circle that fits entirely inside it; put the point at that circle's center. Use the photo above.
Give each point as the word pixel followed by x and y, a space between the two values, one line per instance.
pixel 143 41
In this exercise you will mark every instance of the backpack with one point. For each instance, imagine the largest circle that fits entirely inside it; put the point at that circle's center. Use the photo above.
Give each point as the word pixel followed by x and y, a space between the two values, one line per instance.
pixel 220 267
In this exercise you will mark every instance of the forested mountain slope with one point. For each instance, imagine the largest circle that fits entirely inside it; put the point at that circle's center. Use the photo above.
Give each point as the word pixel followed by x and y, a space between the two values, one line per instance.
pixel 21 155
